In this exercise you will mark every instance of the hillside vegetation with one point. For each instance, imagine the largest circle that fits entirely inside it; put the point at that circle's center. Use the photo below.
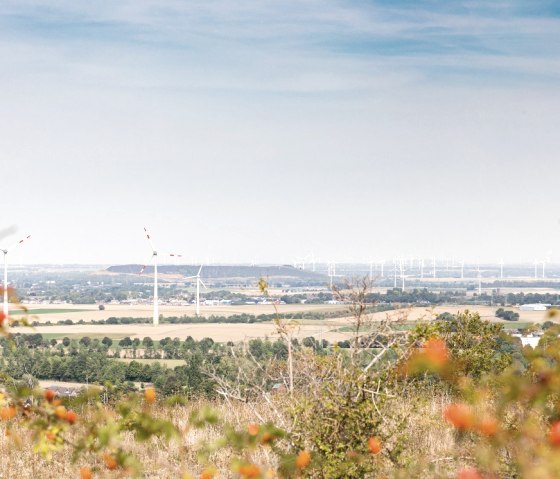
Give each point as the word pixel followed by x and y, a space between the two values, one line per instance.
pixel 452 398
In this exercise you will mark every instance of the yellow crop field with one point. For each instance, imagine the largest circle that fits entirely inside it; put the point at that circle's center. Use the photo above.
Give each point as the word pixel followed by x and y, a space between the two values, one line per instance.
pixel 91 312
pixel 329 329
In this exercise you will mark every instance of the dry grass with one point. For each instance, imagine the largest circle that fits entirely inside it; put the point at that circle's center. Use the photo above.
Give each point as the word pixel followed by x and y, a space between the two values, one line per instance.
pixel 160 459
pixel 429 446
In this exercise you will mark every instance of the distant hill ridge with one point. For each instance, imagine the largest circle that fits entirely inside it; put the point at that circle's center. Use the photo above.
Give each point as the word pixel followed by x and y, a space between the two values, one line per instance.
pixel 225 271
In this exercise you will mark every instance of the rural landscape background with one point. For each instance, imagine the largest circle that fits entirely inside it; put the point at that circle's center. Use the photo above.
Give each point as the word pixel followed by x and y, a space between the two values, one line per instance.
pixel 297 239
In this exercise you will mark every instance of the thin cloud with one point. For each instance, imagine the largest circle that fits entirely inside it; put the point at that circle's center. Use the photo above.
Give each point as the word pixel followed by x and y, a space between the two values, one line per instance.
pixel 307 119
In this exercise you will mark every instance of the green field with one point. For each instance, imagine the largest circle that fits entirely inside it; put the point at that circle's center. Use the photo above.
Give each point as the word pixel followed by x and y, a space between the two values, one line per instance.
pixel 46 311
pixel 410 325
pixel 516 325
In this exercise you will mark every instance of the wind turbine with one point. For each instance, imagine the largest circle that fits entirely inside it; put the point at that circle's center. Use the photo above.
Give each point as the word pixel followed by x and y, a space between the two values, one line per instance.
pixel 502 268
pixel 5 284
pixel 154 259
pixel 479 280
pixel 311 257
pixel 462 264
pixel 536 263
pixel 198 283
pixel 402 270
pixel 331 272
pixel 299 262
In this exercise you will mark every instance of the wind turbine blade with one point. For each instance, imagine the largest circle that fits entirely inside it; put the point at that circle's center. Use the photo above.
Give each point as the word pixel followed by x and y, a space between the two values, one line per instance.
pixel 146 265
pixel 190 277
pixel 149 238
pixel 19 242
pixel 202 283
pixel 200 269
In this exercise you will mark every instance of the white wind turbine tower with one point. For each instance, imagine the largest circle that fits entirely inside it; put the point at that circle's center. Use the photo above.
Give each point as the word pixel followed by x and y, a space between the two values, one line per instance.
pixel 6 309
pixel 299 262
pixel 402 270
pixel 434 266
pixel 536 263
pixel 462 264
pixel 421 260
pixel 154 259
pixel 502 268
pixel 331 272
pixel 311 257
pixel 198 283
pixel 479 281
pixel 375 262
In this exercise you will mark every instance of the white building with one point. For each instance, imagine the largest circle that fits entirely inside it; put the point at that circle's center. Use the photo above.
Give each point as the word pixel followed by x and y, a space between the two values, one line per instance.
pixel 534 307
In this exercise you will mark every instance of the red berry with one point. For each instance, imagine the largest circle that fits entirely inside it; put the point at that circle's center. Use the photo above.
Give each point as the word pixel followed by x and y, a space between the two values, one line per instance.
pixel 303 459
pixel 71 417
pixel 110 462
pixel 85 473
pixel 49 395
pixel 469 473
pixel 460 415
pixel 374 445
pixel 554 434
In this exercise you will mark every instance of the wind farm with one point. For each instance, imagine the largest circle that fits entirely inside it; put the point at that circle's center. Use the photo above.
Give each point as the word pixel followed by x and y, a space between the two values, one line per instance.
pixel 307 288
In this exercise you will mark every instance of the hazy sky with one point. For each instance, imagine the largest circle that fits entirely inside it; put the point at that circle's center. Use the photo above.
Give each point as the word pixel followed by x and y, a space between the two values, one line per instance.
pixel 260 130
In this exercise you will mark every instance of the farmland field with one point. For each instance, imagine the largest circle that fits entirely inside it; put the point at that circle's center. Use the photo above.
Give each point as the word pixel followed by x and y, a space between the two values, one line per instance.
pixel 39 311
pixel 331 329
pixel 486 312
pixel 170 363
pixel 70 335
pixel 218 332
pixel 58 312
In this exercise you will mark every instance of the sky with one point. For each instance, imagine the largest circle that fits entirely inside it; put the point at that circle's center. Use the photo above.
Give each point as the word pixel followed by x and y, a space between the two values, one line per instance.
pixel 259 131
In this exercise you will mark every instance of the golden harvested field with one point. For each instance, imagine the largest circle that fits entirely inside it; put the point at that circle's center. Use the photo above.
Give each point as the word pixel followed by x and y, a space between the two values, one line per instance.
pixel 486 312
pixel 146 310
pixel 218 332
pixel 222 332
